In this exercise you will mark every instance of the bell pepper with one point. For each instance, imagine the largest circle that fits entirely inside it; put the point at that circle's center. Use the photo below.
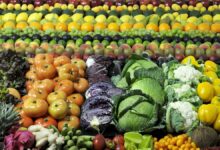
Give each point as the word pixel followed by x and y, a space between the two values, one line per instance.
pixel 216 102
pixel 211 75
pixel 217 123
pixel 190 60
pixel 211 66
pixel 216 84
pixel 208 113
pixel 205 91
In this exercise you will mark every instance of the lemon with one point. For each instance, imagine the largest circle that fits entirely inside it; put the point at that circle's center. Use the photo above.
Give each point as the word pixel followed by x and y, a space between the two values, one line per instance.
pixel 184 6
pixel 155 8
pixel 63 18
pixel 125 18
pixel 31 7
pixel 207 18
pixel 24 7
pixel 3 6
pixel 216 18
pixel 100 18
pixel 86 8
pixel 175 14
pixel 22 17
pixel 35 17
pixel 9 16
pixel 51 17
pixel 215 6
pixel 76 17
pixel 135 7
pixel 203 9
pixel 95 9
pixel 130 8
pixel 190 8
pixel 211 75
pixel 46 6
pixel 17 6
pixel 167 8
pixel 80 7
pixel 150 6
pixel 211 8
pixel 124 7
pixel 70 6
pixel 113 7
pixel 175 7
pixel 63 6
pixel 162 5
pixel 89 19
pixel 139 18
pixel 106 7
pixel 143 7
pixel 192 19
pixel 57 5
pixel 199 5
pixel 10 6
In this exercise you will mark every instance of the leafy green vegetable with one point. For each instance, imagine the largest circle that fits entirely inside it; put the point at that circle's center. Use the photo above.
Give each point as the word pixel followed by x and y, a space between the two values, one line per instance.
pixel 150 87
pixel 135 111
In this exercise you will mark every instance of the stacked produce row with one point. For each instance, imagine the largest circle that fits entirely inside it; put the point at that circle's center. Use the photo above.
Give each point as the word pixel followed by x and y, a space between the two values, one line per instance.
pixel 139 75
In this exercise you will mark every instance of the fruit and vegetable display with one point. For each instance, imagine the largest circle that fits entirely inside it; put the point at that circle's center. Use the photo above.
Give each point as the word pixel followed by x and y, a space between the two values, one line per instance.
pixel 109 75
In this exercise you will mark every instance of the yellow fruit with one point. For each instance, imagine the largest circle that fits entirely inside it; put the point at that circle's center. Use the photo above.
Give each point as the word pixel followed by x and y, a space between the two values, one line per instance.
pixel 211 75
pixel 125 18
pixel 164 27
pixel 9 17
pixel 152 26
pixel 176 7
pixel 57 5
pixel 113 7
pixel 70 6
pixel 184 6
pixel 204 27
pixel 119 8
pixel 113 26
pixel 211 8
pixel 21 25
pixel 139 18
pixel 143 7
pixel 76 17
pixel 60 26
pixel 205 91
pixel 139 26
pixel 199 5
pixel 99 26
pixel 215 27
pixel 190 8
pixel 31 7
pixel 87 27
pixel 105 7
pixel 89 19
pixel 190 26
pixel 207 18
pixel 64 18
pixel 210 66
pixel 73 26
pixel 22 17
pixel 35 25
pixel 63 6
pixel 3 6
pixel 17 6
pixel 9 24
pixel 100 18
pixel 46 6
pixel 86 8
pixel 150 6
pixel 177 25
pixel 24 7
pixel 48 26
pixel 125 26
pixel 10 6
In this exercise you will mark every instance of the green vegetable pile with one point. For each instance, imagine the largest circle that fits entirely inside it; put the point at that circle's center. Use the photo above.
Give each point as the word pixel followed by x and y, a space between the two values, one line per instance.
pixel 75 140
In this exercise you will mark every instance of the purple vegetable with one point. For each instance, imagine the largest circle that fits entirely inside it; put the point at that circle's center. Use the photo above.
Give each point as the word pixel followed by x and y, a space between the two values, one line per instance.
pixel 9 142
pixel 25 139
pixel 96 110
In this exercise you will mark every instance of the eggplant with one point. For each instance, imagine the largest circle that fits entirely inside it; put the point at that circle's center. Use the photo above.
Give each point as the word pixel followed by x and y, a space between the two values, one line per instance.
pixel 96 111
pixel 87 38
pixel 98 37
pixel 99 88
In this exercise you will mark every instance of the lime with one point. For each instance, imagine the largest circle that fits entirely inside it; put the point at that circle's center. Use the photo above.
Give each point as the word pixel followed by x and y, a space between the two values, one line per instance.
pixel 133 137
pixel 121 41
pixel 105 43
pixel 79 42
pixel 138 40
pixel 130 42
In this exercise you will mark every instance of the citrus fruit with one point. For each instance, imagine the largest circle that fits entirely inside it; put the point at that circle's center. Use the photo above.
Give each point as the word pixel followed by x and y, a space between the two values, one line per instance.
pixel 164 27
pixel 48 26
pixel 21 25
pixel 35 25
pixel 87 27
pixel 99 26
pixel 113 27
pixel 61 26
pixel 203 27
pixel 138 26
pixel 215 27
pixel 152 26
pixel 9 24
pixel 190 26
pixel 125 26
pixel 73 26
pixel 177 25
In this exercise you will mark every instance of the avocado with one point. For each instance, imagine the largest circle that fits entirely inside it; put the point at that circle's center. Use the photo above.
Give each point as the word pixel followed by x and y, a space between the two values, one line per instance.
pixel 75 38
pixel 160 11
pixel 102 12
pixel 183 11
pixel 117 37
pixel 124 12
pixel 98 37
pixel 79 11
pixel 36 36
pixel 56 38
pixel 113 13
pixel 66 37
pixel 46 37
pixel 195 13
pixel 148 12
pixel 90 13
pixel 108 38
pixel 87 38
pixel 15 37
pixel 24 36
pixel 68 12
pixel 136 12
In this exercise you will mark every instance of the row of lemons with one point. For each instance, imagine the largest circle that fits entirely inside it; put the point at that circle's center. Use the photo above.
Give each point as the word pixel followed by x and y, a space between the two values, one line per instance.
pixel 204 27
pixel 175 7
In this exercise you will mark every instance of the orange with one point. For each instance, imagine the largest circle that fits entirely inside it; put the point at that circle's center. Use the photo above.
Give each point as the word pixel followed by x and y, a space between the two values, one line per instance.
pixel 35 25
pixel 61 26
pixel 125 26
pixel 113 27
pixel 9 24
pixel 73 26
pixel 48 26
pixel 177 25
pixel 152 26
pixel 190 26
pixel 164 27
pixel 21 25
pixel 215 27
pixel 99 26
pixel 87 27
pixel 204 27
pixel 138 26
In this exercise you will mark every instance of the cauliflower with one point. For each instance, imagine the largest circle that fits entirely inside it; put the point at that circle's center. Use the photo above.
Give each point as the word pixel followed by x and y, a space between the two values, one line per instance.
pixel 186 73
